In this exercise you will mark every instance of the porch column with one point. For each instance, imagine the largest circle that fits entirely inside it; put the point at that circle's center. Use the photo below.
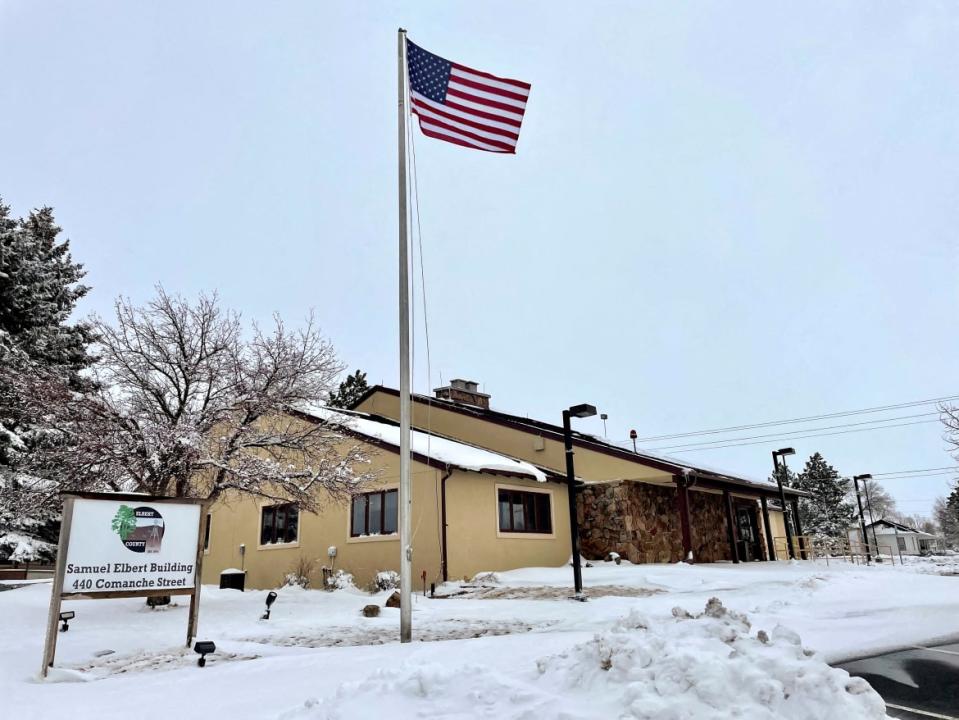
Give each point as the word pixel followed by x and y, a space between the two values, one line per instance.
pixel 767 529
pixel 802 542
pixel 730 529
pixel 682 504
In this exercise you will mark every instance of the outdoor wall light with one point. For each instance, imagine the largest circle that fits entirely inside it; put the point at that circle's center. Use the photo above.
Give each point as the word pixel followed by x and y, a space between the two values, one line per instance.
pixel 270 599
pixel 204 647
pixel 64 618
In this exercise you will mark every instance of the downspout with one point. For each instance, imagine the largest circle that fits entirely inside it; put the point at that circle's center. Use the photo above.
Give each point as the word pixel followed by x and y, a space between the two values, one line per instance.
pixel 444 557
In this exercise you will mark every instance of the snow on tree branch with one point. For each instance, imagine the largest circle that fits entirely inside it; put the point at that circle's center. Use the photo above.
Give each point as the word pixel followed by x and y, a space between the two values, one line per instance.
pixel 187 406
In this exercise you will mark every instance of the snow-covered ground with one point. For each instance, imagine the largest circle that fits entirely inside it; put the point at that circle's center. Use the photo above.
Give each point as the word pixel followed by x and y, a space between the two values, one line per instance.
pixel 648 644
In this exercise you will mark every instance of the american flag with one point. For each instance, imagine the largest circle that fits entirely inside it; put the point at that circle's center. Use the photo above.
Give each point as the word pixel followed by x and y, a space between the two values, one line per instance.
pixel 465 106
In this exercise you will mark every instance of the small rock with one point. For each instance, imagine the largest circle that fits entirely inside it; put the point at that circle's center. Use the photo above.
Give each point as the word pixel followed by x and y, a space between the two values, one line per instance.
pixel 393 600
pixel 371 611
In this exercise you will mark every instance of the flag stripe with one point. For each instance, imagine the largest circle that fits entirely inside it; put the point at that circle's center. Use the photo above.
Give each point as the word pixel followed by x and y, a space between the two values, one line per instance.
pixel 449 128
pixel 461 141
pixel 466 130
pixel 488 76
pixel 471 109
pixel 429 109
pixel 485 98
pixel 476 103
pixel 492 90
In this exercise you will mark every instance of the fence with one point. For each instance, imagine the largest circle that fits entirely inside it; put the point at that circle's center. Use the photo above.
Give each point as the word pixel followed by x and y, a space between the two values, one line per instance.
pixel 808 547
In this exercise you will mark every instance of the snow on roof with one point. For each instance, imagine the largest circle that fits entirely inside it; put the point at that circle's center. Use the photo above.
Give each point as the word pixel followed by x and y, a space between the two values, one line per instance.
pixel 899 527
pixel 444 450
pixel 540 426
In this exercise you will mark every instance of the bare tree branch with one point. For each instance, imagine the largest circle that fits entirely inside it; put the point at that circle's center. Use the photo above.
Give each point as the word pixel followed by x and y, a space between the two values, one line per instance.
pixel 187 407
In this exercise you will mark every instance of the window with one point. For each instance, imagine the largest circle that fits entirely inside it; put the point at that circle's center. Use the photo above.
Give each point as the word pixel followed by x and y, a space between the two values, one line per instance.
pixel 524 512
pixel 279 524
pixel 206 532
pixel 902 542
pixel 374 513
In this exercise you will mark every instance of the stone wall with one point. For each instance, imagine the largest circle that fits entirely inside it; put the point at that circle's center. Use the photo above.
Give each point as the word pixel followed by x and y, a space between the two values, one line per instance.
pixel 707 518
pixel 641 522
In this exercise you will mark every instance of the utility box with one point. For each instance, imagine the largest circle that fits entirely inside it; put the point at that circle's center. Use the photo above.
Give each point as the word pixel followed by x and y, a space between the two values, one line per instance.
pixel 233 579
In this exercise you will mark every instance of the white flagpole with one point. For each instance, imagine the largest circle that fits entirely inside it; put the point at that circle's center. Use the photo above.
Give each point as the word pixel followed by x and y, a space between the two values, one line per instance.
pixel 406 500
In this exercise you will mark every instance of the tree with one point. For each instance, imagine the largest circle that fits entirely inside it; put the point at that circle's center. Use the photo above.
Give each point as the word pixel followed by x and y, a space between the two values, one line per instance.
pixel 949 414
pixel 42 358
pixel 946 513
pixel 877 498
pixel 826 512
pixel 186 407
pixel 350 391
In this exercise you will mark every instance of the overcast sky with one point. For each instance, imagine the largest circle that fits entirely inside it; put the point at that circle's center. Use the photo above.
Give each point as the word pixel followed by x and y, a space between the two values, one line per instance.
pixel 719 213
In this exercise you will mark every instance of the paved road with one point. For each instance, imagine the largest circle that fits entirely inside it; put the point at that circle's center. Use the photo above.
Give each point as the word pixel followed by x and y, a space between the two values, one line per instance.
pixel 917 684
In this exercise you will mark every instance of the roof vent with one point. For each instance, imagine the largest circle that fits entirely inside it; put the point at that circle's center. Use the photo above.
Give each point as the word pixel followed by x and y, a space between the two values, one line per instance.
pixel 463 392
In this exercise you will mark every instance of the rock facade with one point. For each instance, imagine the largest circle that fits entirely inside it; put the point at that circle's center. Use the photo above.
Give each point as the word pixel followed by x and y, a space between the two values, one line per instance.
pixel 641 522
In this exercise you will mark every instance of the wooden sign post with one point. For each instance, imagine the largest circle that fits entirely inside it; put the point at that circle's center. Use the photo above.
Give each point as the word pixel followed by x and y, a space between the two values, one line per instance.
pixel 114 545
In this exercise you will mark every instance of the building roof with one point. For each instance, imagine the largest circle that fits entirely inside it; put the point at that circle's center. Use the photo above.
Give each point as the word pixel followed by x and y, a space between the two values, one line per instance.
pixel 426 446
pixel 898 527
pixel 665 463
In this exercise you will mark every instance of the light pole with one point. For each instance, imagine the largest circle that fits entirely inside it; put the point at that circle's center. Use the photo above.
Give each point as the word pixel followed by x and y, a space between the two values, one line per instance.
pixel 872 520
pixel 862 520
pixel 777 454
pixel 577 411
pixel 633 436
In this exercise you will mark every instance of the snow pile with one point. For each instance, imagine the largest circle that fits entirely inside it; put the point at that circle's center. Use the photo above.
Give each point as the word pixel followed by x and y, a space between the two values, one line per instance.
pixel 708 666
pixel 685 667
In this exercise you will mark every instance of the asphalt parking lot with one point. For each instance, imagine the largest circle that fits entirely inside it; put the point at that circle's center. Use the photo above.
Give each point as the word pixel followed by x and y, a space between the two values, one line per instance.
pixel 917 684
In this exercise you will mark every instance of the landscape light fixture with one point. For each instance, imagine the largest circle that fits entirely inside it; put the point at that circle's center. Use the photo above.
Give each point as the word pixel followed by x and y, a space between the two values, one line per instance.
pixel 576 411
pixel 65 617
pixel 204 647
pixel 270 599
pixel 777 454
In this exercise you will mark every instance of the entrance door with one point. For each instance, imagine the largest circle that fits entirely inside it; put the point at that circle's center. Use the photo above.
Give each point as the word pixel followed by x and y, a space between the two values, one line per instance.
pixel 748 533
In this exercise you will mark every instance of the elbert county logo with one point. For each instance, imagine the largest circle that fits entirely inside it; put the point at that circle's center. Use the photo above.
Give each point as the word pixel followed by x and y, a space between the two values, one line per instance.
pixel 140 529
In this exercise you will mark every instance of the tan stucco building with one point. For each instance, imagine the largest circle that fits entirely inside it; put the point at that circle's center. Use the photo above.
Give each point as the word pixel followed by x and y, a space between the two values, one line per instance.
pixel 473 510
pixel 489 494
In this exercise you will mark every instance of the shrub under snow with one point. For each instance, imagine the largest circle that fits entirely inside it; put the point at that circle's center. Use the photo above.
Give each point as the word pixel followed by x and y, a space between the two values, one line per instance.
pixel 385 580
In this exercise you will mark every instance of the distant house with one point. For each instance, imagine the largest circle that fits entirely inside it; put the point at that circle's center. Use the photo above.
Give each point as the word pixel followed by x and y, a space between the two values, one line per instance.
pixel 897 538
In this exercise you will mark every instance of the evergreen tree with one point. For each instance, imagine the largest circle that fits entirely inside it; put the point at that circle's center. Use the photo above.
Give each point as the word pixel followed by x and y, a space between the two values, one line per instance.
pixel 42 356
pixel 827 511
pixel 350 391
pixel 947 515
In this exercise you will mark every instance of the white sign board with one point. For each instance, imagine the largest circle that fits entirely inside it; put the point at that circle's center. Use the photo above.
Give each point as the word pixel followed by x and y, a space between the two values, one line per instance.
pixel 131 545
pixel 121 545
